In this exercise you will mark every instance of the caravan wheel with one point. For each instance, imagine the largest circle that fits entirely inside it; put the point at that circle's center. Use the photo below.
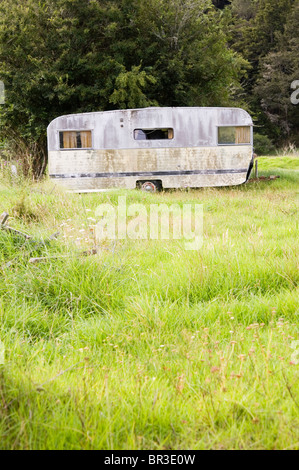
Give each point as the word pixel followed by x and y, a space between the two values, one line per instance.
pixel 150 186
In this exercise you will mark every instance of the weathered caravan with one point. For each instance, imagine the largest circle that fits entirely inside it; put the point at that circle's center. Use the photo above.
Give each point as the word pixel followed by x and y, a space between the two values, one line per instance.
pixel 151 148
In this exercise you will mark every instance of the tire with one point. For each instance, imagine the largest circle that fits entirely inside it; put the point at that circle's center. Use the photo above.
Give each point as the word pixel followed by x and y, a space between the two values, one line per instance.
pixel 150 186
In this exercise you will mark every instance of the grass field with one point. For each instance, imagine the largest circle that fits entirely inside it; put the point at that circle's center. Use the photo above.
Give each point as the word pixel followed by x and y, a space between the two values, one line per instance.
pixel 147 345
pixel 286 163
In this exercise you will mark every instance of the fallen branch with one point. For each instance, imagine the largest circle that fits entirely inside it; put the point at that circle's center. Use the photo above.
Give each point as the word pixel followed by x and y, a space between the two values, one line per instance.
pixel 16 232
pixel 36 244
pixel 91 252
pixel 3 226
pixel 264 178
pixel 44 259
pixel 3 219
pixel 53 237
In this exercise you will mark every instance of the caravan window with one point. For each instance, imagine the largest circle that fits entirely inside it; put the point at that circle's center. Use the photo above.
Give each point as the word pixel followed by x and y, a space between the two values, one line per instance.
pixel 231 135
pixel 75 140
pixel 153 134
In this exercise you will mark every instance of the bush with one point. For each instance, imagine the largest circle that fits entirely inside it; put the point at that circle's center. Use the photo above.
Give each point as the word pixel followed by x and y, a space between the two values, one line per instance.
pixel 263 145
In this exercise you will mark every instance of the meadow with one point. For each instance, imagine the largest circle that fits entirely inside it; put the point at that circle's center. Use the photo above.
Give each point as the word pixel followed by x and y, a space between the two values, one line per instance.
pixel 146 345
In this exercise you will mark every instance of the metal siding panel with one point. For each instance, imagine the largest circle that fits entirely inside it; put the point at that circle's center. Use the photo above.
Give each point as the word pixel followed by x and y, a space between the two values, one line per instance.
pixel 217 159
pixel 193 127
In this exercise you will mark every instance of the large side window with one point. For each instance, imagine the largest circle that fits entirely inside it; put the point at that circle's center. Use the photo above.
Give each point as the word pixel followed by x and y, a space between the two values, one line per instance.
pixel 153 134
pixel 229 135
pixel 75 140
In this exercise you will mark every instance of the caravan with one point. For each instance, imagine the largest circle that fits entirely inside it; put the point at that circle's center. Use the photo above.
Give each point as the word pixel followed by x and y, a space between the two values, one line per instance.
pixel 151 148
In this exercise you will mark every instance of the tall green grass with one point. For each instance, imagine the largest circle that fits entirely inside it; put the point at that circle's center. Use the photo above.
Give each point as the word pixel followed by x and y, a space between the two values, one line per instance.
pixel 147 345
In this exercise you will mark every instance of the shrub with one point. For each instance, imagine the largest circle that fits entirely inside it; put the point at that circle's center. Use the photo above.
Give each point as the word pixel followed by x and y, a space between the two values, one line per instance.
pixel 263 145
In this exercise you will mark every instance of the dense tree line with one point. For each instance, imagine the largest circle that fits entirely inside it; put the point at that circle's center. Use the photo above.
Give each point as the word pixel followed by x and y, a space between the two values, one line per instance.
pixel 267 34
pixel 65 56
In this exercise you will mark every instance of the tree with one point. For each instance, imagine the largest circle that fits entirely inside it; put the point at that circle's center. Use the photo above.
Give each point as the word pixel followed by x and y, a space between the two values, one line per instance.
pixel 182 45
pixel 128 89
pixel 52 60
pixel 279 69
pixel 65 56
pixel 221 3
pixel 256 27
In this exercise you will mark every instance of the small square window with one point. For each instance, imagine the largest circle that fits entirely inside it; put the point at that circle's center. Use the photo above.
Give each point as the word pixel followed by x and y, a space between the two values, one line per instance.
pixel 75 140
pixel 231 135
